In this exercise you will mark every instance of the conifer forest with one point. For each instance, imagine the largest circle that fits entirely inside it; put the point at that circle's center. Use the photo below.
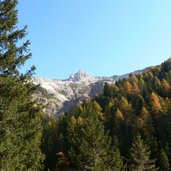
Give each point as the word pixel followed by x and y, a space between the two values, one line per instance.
pixel 125 128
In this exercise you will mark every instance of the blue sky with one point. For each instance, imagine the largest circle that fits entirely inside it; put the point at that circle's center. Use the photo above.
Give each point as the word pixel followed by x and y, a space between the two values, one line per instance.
pixel 101 37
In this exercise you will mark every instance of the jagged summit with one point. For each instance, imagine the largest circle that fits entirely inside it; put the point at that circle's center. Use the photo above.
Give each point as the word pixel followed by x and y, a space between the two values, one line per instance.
pixel 80 76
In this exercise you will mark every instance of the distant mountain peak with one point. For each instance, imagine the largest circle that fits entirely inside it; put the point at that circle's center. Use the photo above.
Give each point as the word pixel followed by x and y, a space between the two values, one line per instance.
pixel 79 76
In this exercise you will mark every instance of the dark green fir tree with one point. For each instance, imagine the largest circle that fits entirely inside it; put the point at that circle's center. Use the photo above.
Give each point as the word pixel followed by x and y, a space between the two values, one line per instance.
pixel 20 116
pixel 90 147
pixel 140 156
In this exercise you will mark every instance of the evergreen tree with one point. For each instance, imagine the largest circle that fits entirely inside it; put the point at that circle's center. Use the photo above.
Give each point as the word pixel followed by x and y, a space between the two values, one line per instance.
pixel 11 55
pixel 164 161
pixel 140 156
pixel 20 127
pixel 156 84
pixel 50 141
pixel 143 118
pixel 20 116
pixel 107 90
pixel 90 148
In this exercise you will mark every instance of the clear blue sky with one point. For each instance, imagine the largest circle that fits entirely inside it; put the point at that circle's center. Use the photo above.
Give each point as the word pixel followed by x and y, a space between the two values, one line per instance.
pixel 102 37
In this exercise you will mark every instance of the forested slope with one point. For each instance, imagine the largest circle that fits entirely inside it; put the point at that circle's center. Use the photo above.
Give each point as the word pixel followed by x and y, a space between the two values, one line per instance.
pixel 128 127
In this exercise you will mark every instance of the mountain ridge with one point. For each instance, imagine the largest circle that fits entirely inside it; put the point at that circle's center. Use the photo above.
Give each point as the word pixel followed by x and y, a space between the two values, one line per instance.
pixel 60 95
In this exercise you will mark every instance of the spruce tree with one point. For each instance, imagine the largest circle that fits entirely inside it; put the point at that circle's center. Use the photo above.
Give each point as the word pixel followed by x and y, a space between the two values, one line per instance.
pixel 12 57
pixel 90 148
pixel 140 156
pixel 20 123
pixel 20 116
pixel 164 161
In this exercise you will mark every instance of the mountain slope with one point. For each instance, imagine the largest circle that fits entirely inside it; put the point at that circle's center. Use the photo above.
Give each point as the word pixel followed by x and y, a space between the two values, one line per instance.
pixel 60 95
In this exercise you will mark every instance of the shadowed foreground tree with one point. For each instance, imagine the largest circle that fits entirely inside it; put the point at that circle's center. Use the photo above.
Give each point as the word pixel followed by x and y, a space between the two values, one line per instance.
pixel 20 117
pixel 20 123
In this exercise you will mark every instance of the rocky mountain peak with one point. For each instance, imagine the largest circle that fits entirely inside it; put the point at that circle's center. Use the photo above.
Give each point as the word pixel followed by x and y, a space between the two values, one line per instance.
pixel 80 76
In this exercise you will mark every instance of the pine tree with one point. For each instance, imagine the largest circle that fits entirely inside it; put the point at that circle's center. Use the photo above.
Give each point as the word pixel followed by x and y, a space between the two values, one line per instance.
pixel 90 148
pixel 20 116
pixel 156 84
pixel 164 161
pixel 140 156
pixel 107 90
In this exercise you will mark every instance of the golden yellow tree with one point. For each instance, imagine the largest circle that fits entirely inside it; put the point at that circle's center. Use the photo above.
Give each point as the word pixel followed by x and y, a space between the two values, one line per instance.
pixel 166 86
pixel 119 115
pixel 155 102
pixel 142 119
pixel 127 87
